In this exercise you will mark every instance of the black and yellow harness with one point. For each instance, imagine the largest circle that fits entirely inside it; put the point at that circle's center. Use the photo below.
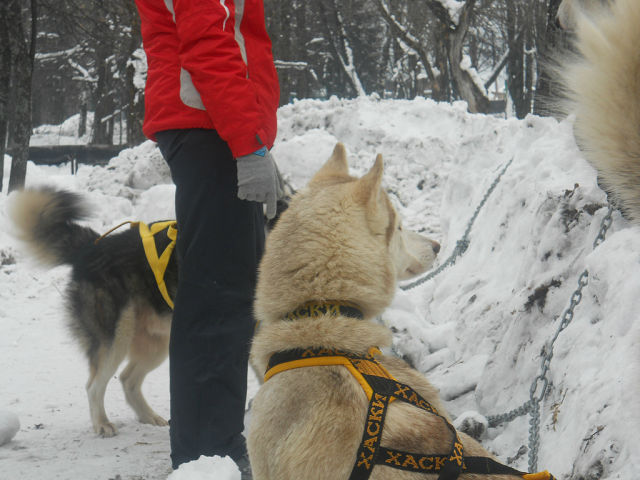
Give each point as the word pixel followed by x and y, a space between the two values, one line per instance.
pixel 153 237
pixel 381 388
pixel 159 263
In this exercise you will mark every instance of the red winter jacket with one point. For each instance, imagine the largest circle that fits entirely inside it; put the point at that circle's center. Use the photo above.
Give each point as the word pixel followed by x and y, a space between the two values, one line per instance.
pixel 210 66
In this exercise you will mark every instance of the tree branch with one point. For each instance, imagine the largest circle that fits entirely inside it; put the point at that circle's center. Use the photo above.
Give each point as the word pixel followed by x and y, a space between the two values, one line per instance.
pixel 406 36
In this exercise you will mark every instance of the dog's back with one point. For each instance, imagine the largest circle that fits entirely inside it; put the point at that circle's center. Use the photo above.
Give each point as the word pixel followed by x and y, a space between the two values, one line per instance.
pixel 604 90
pixel 113 266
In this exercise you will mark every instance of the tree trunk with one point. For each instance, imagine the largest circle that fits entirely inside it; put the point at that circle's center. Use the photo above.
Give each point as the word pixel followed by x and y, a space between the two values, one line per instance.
pixel 464 82
pixel 403 33
pixel 5 81
pixel 134 98
pixel 529 65
pixel 515 62
pixel 442 87
pixel 82 124
pixel 135 111
pixel 505 59
pixel 23 55
pixel 342 46
pixel 102 95
pixel 554 40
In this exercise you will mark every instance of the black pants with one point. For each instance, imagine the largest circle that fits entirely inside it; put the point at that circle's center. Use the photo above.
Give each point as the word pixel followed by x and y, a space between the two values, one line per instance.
pixel 220 241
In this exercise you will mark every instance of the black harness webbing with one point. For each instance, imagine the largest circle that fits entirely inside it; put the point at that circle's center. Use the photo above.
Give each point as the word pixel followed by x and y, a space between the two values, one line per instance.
pixel 381 389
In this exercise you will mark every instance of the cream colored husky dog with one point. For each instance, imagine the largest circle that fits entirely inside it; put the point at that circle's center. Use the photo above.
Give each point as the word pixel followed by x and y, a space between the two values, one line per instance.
pixel 340 242
pixel 570 11
pixel 603 86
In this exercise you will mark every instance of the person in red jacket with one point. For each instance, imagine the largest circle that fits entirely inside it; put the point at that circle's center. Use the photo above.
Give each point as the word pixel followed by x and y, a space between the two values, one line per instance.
pixel 210 102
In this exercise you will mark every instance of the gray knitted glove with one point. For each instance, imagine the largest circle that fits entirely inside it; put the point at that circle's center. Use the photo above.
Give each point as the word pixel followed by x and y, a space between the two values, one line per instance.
pixel 259 180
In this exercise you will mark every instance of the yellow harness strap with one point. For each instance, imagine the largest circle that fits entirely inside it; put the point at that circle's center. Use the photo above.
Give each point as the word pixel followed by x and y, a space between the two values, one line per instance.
pixel 538 476
pixel 158 263
pixel 315 359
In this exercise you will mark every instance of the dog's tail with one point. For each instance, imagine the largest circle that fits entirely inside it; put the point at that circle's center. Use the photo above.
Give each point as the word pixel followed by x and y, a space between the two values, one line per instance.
pixel 46 220
pixel 604 90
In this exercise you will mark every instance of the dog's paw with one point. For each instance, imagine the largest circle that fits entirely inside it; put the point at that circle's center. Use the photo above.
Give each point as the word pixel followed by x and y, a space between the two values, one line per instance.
pixel 471 423
pixel 106 430
pixel 154 419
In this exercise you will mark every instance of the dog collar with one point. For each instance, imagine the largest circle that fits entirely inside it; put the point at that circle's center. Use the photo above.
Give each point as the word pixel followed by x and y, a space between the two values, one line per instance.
pixel 316 309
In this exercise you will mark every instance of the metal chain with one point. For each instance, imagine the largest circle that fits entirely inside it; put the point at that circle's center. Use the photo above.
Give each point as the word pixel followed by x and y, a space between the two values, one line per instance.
pixel 463 243
pixel 495 420
pixel 604 226
pixel 532 406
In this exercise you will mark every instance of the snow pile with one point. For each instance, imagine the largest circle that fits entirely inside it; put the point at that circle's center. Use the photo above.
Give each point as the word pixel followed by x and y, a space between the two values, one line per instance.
pixel 133 170
pixel 207 468
pixel 64 134
pixel 477 330
pixel 9 426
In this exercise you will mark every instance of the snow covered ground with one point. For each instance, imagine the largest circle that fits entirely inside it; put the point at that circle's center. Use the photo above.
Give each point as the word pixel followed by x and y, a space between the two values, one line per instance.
pixel 477 330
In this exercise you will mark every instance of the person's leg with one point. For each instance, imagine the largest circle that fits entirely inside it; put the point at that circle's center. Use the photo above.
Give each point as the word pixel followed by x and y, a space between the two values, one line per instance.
pixel 220 241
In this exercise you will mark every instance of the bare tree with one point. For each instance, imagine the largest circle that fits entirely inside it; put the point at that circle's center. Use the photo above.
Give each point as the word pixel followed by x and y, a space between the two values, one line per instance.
pixel 5 83
pixel 522 59
pixel 344 52
pixel 22 54
pixel 455 31
pixel 87 52
pixel 403 32
pixel 447 36
pixel 396 48
pixel 116 38
pixel 553 40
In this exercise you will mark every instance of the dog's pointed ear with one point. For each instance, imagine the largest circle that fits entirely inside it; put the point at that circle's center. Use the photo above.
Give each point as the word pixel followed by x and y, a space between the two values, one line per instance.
pixel 336 166
pixel 368 187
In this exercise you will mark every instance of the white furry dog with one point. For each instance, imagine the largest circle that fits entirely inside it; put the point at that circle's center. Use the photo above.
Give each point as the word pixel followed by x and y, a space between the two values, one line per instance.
pixel 330 266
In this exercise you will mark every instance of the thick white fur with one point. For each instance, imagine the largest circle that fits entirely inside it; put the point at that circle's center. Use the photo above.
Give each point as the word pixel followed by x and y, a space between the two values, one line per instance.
pixel 340 239
pixel 604 88
pixel 570 11
pixel 332 243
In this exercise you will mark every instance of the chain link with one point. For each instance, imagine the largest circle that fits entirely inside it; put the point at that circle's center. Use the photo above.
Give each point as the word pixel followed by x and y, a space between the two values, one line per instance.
pixel 604 226
pixel 532 406
pixel 534 436
pixel 495 420
pixel 463 244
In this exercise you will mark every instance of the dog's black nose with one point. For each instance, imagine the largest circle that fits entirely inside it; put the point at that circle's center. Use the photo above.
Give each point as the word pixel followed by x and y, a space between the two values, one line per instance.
pixel 435 246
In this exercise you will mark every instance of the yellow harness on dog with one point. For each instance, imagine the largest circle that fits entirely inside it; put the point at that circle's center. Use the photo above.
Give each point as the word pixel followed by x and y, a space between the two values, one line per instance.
pixel 381 388
pixel 158 263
